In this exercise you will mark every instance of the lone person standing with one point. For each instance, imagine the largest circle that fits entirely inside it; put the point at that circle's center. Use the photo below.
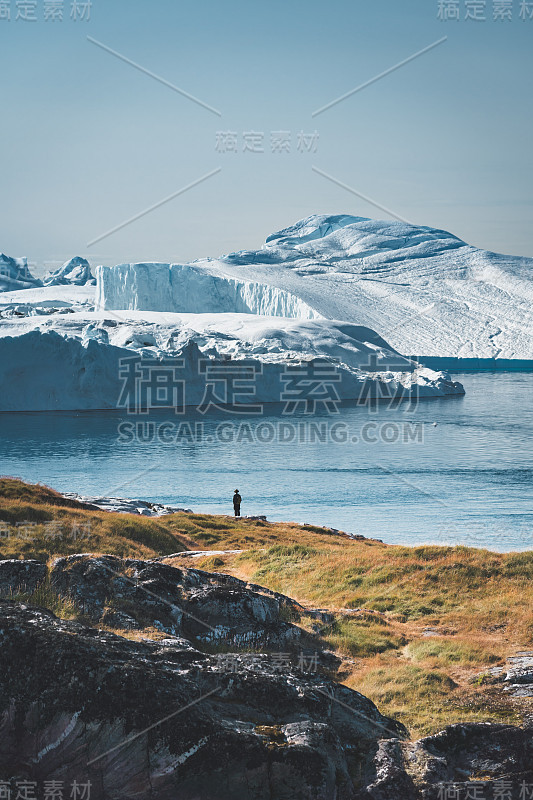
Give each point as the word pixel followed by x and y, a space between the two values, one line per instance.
pixel 237 503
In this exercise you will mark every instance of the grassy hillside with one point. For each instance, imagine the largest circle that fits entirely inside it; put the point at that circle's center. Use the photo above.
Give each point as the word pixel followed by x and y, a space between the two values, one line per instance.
pixel 37 522
pixel 414 626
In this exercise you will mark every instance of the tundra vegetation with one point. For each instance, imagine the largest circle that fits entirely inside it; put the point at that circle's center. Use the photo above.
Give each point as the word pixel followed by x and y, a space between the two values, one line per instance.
pixel 417 629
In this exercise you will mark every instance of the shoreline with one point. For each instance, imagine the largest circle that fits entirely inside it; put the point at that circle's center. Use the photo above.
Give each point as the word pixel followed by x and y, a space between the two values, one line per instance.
pixel 156 510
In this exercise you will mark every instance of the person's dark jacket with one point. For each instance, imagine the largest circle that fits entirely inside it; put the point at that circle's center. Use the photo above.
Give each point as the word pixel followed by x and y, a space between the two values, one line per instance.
pixel 237 500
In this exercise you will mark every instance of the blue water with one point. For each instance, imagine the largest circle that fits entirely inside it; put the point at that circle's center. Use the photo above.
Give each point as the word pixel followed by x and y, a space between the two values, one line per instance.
pixel 466 480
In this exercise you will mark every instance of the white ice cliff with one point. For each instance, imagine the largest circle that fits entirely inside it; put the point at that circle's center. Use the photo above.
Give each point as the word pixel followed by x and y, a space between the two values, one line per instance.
pixel 316 292
pixel 426 291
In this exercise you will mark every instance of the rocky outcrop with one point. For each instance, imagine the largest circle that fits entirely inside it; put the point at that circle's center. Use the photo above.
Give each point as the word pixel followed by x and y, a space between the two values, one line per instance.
pixel 159 719
pixel 475 760
pixel 21 576
pixel 213 709
pixel 122 505
pixel 202 606
pixel 515 677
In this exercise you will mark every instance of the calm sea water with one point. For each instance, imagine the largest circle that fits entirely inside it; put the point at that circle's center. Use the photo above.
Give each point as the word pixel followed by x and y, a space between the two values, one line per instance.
pixel 390 473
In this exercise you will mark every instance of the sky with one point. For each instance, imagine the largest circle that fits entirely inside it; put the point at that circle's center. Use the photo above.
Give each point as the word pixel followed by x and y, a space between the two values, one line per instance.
pixel 90 142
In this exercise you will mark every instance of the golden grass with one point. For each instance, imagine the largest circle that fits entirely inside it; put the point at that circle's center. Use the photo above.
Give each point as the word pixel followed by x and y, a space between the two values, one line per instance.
pixel 41 524
pixel 45 596
pixel 479 603
pixel 425 699
pixel 447 651
pixel 383 597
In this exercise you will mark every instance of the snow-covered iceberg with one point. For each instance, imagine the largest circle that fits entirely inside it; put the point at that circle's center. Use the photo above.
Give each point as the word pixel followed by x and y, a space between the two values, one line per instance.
pixel 426 291
pixel 349 293
pixel 91 360
pixel 14 274
pixel 75 272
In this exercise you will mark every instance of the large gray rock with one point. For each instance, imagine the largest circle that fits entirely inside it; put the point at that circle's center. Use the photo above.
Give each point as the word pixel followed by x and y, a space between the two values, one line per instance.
pixel 207 607
pixel 160 720
pixel 166 720
pixel 515 677
pixel 17 575
pixel 467 760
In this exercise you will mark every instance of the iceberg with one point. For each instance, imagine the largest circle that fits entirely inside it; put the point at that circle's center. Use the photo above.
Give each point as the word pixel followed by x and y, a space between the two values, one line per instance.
pixel 84 361
pixel 354 296
pixel 14 274
pixel 75 272
pixel 192 289
pixel 426 291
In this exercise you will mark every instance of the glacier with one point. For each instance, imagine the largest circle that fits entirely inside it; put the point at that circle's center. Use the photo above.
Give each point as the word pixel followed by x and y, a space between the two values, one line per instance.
pixel 426 291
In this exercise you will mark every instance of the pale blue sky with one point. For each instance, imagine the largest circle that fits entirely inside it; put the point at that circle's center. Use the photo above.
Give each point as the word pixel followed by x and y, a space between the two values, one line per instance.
pixel 87 141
